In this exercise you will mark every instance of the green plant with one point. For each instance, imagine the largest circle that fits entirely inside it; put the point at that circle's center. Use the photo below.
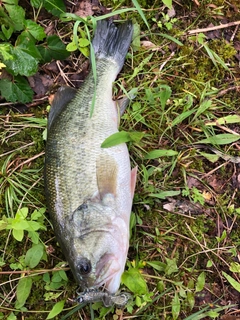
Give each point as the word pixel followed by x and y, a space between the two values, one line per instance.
pixel 23 48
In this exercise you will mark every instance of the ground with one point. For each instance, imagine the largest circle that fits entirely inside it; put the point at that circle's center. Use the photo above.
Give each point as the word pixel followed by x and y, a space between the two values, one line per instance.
pixel 183 261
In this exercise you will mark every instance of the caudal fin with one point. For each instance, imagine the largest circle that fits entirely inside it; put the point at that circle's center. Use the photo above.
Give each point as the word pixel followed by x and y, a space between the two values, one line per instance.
pixel 111 41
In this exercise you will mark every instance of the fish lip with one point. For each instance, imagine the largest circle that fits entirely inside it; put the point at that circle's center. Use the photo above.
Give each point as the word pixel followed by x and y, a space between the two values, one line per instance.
pixel 107 270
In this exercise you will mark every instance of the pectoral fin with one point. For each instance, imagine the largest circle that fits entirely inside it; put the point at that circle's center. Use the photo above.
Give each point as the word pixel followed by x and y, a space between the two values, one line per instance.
pixel 61 98
pixel 106 175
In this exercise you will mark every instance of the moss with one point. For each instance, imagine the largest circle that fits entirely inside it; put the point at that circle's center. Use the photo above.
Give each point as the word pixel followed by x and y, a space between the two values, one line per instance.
pixel 224 50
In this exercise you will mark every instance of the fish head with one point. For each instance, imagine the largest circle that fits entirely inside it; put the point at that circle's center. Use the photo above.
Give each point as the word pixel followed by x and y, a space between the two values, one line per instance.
pixel 99 250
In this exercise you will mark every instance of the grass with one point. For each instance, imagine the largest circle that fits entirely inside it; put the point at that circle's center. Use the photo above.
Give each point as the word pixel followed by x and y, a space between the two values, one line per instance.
pixel 183 258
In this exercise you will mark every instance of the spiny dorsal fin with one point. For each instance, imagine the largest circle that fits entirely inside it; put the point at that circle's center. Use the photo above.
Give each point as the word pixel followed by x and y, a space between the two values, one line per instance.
pixel 61 98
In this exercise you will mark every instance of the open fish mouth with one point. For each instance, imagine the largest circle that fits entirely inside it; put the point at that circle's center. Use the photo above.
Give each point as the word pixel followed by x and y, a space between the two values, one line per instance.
pixel 108 268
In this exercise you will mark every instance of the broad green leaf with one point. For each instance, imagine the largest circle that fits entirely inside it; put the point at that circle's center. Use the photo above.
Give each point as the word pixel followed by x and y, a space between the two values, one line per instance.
pixel 36 3
pixel 160 286
pixel 22 213
pixel 58 307
pixel 83 42
pixel 56 277
pixel 171 266
pixel 164 194
pixel 223 236
pixel 200 282
pixel 55 49
pixel 85 51
pixel 176 306
pixel 34 236
pixel 222 138
pixel 34 255
pixel 210 156
pixel 23 290
pixel 12 316
pixel 63 275
pixel 7 31
pixel 121 137
pixel 19 90
pixel 164 94
pixel 190 299
pixel 56 7
pixel 72 46
pixel 18 234
pixel 18 64
pixel 5 51
pixel 134 281
pixel 234 267
pixel 10 2
pixel 160 153
pixel 233 282
pixel 209 264
pixel 19 224
pixel 17 15
pixel 3 224
pixel 35 215
pixel 168 3
pixel 158 265
pixel 232 118
pixel 34 226
pixel 136 37
pixel 35 29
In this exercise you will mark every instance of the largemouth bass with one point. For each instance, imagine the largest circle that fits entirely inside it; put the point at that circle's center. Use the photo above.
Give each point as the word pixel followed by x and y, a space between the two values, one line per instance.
pixel 89 189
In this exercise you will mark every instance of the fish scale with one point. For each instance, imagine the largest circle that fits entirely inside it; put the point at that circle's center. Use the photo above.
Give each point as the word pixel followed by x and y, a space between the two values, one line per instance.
pixel 89 189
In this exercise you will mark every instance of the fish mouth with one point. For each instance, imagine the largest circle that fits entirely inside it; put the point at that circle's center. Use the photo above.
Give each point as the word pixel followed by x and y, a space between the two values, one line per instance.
pixel 109 272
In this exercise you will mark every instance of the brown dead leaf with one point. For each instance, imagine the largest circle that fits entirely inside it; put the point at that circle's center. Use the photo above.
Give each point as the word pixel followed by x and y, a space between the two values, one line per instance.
pixel 213 34
pixel 150 45
pixel 86 8
pixel 185 207
pixel 193 182
pixel 40 84
pixel 216 183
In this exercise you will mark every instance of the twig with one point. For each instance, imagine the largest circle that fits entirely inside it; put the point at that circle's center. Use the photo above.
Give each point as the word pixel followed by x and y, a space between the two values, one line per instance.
pixel 221 26
pixel 223 92
pixel 161 67
pixel 234 33
pixel 28 272
pixel 27 104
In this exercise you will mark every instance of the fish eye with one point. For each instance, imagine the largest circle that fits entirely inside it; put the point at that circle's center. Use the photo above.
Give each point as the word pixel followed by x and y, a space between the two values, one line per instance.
pixel 84 266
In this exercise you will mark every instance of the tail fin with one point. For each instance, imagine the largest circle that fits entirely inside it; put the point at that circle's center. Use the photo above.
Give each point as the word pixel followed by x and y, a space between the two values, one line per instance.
pixel 111 41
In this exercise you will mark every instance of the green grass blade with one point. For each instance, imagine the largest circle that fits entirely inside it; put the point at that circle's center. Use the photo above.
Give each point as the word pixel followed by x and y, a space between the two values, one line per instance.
pixel 167 36
pixel 139 9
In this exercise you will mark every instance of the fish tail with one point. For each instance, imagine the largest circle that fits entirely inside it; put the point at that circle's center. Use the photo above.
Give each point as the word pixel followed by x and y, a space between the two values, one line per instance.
pixel 111 41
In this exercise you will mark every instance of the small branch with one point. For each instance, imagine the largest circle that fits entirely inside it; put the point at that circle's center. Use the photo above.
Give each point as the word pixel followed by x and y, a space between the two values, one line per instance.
pixel 221 26
pixel 34 271
pixel 223 92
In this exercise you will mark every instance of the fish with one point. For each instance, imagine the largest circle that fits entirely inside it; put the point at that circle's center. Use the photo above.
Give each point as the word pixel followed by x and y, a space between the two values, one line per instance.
pixel 90 189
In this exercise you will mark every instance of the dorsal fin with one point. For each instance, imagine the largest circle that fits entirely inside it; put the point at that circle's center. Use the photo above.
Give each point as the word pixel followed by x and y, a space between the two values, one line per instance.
pixel 61 98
